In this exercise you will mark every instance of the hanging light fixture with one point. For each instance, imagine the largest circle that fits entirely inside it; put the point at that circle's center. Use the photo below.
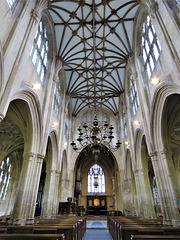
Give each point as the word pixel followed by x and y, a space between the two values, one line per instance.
pixel 95 139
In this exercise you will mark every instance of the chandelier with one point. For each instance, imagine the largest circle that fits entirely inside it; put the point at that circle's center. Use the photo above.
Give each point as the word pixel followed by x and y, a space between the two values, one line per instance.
pixel 95 139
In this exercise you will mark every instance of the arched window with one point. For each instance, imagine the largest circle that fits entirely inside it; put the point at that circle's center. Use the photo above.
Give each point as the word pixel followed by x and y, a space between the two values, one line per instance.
pixel 151 46
pixel 5 175
pixel 124 119
pixel 40 50
pixel 133 96
pixel 57 98
pixel 12 3
pixel 96 180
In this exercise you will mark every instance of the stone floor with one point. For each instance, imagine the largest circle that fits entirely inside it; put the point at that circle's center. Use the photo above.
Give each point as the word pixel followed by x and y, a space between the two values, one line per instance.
pixel 97 229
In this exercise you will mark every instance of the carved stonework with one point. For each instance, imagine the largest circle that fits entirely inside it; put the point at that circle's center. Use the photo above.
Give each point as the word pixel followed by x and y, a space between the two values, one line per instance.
pixel 154 8
pixel 11 137
pixel 35 15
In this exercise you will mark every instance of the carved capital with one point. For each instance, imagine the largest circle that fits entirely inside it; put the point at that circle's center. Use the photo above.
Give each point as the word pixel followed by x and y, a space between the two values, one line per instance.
pixel 28 156
pixel 55 78
pixel 153 156
pixel 154 8
pixel 58 67
pixel 35 15
pixel 58 173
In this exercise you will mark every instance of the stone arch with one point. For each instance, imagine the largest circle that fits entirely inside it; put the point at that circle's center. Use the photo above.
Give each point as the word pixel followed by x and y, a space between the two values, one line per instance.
pixel 54 143
pixel 144 190
pixel 110 167
pixel 159 99
pixel 138 142
pixel 20 131
pixel 47 183
pixel 34 117
pixel 165 123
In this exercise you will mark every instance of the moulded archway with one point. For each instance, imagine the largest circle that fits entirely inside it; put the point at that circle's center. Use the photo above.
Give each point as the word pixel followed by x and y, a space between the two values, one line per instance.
pixel 165 123
pixel 63 180
pixel 17 134
pixel 144 191
pixel 109 165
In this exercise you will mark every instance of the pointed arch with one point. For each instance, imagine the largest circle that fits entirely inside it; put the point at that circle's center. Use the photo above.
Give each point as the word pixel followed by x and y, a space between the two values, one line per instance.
pixel 32 107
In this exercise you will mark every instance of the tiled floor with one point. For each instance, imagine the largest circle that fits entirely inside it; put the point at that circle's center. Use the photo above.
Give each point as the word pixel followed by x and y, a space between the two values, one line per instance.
pixel 97 235
pixel 96 224
pixel 97 230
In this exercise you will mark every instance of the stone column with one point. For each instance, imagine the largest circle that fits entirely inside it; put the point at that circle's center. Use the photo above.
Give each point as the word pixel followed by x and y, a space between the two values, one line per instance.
pixel 34 186
pixel 140 206
pixel 49 194
pixel 170 191
pixel 56 195
pixel 20 206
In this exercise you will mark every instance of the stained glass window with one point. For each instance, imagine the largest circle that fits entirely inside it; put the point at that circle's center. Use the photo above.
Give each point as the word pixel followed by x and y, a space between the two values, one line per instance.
pixel 96 180
pixel 57 98
pixel 124 119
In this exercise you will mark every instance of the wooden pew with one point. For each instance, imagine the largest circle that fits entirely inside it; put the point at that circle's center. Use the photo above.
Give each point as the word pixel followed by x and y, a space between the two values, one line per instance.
pixel 153 237
pixel 122 227
pixel 21 236
pixel 73 227
pixel 126 232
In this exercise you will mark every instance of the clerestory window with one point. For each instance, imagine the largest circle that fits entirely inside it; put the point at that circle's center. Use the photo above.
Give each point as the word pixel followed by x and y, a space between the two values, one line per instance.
pixel 124 119
pixel 96 180
pixel 40 50
pixel 151 46
pixel 12 3
pixel 133 96
pixel 5 175
pixel 57 98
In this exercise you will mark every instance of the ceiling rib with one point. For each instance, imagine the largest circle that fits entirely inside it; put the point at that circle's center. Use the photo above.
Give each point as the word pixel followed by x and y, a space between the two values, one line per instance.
pixel 94 42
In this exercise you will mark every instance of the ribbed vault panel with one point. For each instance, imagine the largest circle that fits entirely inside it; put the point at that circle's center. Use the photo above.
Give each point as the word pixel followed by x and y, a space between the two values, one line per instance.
pixel 94 41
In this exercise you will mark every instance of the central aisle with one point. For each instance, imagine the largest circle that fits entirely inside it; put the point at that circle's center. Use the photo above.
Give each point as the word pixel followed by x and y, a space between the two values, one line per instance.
pixel 97 229
pixel 97 235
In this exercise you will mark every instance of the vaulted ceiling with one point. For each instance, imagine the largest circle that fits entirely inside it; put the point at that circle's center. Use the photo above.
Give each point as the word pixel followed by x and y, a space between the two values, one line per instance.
pixel 94 42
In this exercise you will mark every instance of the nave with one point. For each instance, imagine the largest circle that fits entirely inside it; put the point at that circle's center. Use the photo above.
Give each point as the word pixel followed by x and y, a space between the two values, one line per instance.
pixel 90 228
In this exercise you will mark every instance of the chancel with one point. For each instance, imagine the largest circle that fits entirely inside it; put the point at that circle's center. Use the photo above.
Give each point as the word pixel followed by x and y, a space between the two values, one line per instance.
pixel 89 119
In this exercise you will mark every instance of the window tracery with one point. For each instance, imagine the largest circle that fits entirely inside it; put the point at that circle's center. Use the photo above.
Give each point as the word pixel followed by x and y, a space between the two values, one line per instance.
pixel 96 180
pixel 12 3
pixel 5 175
pixel 40 50
pixel 57 98
pixel 151 46
pixel 124 119
pixel 133 96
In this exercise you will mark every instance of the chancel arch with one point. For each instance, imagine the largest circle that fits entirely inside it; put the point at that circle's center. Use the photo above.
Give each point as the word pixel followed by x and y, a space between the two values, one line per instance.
pixel 102 174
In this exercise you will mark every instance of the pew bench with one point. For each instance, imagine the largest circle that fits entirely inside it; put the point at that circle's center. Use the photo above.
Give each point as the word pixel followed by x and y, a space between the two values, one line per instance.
pixel 72 227
pixel 153 237
pixel 23 236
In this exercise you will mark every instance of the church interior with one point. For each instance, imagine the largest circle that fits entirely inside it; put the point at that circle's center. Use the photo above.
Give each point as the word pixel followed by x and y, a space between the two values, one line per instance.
pixel 89 118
